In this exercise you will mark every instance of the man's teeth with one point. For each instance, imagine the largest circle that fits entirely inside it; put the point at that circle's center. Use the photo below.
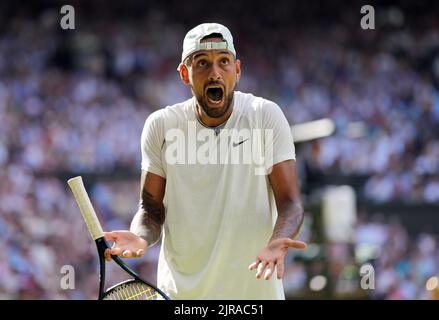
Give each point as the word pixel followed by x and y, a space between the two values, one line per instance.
pixel 214 101
pixel 214 95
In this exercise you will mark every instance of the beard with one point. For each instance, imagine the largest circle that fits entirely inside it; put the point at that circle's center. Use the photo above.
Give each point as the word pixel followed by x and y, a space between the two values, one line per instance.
pixel 214 112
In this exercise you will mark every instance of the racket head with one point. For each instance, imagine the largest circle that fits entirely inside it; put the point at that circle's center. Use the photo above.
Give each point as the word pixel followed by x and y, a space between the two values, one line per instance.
pixel 134 289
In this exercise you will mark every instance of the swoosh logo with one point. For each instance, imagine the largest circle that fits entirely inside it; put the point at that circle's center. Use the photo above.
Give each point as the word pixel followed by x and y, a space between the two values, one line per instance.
pixel 240 142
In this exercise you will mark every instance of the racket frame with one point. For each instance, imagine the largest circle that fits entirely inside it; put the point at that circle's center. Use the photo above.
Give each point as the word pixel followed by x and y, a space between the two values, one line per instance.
pixel 103 245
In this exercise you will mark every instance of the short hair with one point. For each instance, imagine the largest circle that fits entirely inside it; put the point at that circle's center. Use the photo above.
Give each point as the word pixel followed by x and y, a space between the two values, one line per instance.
pixel 213 35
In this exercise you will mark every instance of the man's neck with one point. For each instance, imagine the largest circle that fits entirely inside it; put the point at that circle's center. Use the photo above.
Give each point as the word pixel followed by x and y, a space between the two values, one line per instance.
pixel 213 122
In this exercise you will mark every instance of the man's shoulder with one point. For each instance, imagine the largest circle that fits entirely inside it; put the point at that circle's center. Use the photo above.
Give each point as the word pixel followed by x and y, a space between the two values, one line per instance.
pixel 251 102
pixel 178 109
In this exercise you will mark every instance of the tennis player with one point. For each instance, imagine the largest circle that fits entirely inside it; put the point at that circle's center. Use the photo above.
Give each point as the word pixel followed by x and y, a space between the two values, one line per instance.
pixel 225 224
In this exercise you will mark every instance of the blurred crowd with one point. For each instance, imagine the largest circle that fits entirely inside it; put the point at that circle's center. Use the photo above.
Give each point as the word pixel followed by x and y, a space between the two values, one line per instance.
pixel 402 263
pixel 75 102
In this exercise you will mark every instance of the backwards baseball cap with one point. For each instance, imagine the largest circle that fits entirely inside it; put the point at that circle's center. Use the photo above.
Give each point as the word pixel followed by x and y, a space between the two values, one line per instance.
pixel 192 40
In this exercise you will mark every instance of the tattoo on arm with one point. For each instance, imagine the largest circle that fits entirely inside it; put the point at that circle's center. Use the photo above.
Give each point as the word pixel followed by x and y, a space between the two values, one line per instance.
pixel 289 220
pixel 149 219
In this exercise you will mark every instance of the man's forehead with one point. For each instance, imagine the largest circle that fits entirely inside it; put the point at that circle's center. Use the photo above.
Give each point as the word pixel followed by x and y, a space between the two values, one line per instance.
pixel 206 53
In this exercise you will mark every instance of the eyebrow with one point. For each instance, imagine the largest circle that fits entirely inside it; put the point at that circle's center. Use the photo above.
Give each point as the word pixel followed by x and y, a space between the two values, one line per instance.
pixel 198 55
pixel 224 52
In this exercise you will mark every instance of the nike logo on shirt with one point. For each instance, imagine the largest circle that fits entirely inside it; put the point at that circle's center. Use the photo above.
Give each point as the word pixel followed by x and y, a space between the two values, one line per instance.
pixel 240 142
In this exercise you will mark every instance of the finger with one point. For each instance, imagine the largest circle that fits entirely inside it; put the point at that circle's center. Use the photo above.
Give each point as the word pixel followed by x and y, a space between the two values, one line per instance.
pixel 110 236
pixel 296 244
pixel 280 269
pixel 127 254
pixel 269 271
pixel 261 269
pixel 140 253
pixel 107 254
pixel 116 251
pixel 254 265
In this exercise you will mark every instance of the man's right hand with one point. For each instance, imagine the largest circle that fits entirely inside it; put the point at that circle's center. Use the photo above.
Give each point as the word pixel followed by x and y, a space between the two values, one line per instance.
pixel 126 244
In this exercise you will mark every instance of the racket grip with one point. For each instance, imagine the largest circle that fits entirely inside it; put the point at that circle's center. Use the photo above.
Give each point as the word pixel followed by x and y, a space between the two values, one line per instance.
pixel 88 213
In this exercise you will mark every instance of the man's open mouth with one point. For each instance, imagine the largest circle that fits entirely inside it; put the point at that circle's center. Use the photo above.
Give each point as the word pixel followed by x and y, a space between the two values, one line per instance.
pixel 214 94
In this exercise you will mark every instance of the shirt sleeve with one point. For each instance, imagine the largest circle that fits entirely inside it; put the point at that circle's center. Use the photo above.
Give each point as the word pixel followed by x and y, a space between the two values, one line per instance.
pixel 279 143
pixel 151 144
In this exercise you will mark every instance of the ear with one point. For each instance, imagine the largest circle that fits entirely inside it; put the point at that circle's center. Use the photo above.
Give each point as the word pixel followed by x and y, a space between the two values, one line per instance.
pixel 238 69
pixel 184 74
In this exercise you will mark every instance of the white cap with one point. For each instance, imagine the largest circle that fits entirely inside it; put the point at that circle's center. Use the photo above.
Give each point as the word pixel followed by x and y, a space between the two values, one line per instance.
pixel 192 39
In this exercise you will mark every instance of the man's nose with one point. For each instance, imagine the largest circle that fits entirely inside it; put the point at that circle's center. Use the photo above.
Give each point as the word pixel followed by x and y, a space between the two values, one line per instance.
pixel 215 73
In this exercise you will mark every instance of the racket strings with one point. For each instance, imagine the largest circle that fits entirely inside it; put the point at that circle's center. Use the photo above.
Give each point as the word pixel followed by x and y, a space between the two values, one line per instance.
pixel 133 291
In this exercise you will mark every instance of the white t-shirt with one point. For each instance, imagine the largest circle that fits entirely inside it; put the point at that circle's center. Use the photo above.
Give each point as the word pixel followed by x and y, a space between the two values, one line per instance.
pixel 219 205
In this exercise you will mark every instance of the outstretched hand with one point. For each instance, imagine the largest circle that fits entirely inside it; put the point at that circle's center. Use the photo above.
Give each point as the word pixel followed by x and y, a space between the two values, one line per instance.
pixel 273 256
pixel 126 244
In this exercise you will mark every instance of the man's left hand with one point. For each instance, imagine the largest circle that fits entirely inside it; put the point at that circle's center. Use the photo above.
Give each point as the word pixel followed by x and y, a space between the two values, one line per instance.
pixel 273 256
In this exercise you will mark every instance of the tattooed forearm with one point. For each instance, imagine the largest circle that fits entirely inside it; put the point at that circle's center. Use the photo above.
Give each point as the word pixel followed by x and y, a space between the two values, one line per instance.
pixel 148 221
pixel 289 220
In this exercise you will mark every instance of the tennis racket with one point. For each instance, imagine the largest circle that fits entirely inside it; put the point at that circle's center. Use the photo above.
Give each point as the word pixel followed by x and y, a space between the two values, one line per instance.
pixel 132 289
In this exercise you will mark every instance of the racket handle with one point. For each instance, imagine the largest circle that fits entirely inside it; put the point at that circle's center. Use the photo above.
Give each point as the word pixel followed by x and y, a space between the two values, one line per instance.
pixel 86 208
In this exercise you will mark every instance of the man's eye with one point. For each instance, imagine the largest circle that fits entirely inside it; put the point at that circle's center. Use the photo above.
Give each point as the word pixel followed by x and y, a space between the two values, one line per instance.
pixel 225 61
pixel 202 63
